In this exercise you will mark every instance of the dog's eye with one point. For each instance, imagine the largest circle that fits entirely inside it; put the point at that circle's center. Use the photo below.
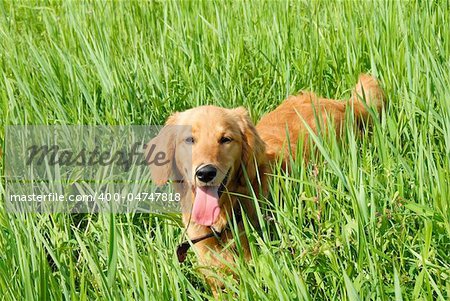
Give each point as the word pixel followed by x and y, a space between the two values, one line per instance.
pixel 189 140
pixel 225 140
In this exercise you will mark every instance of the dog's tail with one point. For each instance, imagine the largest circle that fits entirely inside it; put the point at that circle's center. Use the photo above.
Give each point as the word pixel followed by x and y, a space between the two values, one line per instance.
pixel 366 94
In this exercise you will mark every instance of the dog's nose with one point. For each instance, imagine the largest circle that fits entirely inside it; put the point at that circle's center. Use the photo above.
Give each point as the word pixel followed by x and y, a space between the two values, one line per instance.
pixel 206 173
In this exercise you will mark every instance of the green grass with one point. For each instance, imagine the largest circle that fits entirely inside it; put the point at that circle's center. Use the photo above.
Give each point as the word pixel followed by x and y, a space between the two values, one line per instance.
pixel 372 221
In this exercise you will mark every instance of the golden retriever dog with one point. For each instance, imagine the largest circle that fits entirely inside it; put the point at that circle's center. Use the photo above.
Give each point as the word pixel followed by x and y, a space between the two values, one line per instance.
pixel 217 154
pixel 213 152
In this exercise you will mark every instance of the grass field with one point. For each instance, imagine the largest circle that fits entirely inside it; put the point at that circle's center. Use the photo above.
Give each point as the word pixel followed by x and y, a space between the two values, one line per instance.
pixel 370 219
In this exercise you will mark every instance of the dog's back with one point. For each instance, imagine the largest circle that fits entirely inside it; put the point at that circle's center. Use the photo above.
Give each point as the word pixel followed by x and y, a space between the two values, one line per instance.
pixel 296 113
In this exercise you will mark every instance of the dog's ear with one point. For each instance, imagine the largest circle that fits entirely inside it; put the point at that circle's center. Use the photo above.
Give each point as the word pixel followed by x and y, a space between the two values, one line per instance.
pixel 253 148
pixel 162 145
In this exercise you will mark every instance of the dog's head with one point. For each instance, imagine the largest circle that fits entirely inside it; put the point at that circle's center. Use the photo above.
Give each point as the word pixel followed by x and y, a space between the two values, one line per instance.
pixel 211 149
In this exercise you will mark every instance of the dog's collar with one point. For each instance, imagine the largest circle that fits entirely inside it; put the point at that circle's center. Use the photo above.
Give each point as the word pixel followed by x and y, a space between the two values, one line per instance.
pixel 183 248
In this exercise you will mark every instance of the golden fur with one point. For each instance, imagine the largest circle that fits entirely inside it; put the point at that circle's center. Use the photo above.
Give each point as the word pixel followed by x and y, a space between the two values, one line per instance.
pixel 249 151
pixel 296 112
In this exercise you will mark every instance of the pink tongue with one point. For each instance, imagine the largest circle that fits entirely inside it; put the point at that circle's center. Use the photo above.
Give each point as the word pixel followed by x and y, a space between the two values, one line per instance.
pixel 206 205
